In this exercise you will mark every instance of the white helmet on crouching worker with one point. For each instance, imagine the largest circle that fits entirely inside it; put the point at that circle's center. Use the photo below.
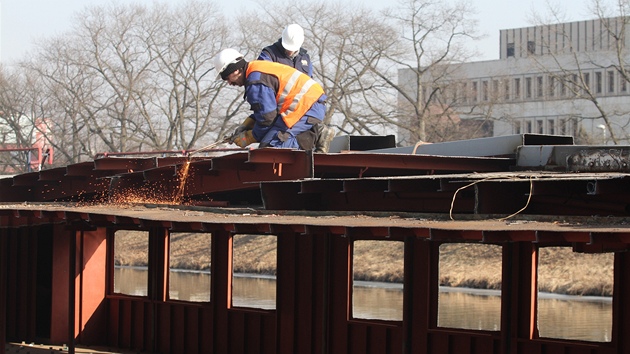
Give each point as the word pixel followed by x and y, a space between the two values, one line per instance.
pixel 228 61
pixel 292 37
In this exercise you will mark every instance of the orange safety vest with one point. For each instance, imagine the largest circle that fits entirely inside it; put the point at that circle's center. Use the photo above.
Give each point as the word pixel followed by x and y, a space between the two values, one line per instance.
pixel 297 92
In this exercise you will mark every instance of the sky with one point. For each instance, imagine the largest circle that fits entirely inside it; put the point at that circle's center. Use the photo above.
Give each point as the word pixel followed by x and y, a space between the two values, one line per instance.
pixel 24 21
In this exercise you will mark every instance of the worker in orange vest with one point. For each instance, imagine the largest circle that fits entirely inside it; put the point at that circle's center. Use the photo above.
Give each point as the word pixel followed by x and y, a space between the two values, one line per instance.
pixel 287 104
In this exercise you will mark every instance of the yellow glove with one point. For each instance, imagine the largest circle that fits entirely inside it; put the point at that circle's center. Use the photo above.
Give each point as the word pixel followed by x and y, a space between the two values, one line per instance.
pixel 248 124
pixel 244 138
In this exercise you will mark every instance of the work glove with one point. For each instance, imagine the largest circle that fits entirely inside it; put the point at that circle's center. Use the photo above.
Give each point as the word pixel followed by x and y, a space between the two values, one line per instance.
pixel 243 138
pixel 248 124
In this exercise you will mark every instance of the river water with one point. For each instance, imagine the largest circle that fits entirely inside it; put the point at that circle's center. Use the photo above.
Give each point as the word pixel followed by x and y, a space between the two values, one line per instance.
pixel 564 317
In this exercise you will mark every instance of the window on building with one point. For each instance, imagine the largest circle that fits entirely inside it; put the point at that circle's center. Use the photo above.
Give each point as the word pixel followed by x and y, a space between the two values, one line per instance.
pixel 540 126
pixel 131 260
pixel 506 90
pixel 539 86
pixel 563 86
pixel 611 82
pixel 587 81
pixel 576 84
pixel 189 266
pixel 517 88
pixel 623 84
pixel 552 86
pixel 579 320
pixel 528 87
pixel 598 82
pixel 484 90
pixel 566 126
pixel 454 89
pixel 475 91
pixel 495 90
pixel 254 254
pixel 465 92
pixel 551 126
pixel 528 126
pixel 531 47
pixel 457 309
pixel 375 261
pixel 510 50
pixel 517 127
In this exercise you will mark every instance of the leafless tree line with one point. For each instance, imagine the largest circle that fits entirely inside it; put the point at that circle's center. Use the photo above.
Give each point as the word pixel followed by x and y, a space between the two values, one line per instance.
pixel 131 78
pixel 140 77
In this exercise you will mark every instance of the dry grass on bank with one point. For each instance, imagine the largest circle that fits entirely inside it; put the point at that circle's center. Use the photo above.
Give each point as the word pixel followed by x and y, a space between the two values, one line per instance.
pixel 461 265
pixel 254 254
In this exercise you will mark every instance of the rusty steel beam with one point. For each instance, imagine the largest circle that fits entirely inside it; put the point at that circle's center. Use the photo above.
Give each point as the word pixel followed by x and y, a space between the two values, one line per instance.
pixel 245 171
pixel 508 236
pixel 26 179
pixel 365 185
pixel 271 155
pixel 53 175
pixel 322 186
pixel 120 164
pixel 370 164
pixel 260 228
pixel 365 232
pixel 427 184
pixel 324 229
pixel 286 164
pixel 276 229
pixel 358 194
pixel 455 235
pixel 239 171
pixel 579 205
pixel 80 169
pixel 9 192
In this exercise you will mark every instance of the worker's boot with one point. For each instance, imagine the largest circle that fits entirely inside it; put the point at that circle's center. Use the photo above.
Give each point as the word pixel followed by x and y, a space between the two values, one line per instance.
pixel 325 135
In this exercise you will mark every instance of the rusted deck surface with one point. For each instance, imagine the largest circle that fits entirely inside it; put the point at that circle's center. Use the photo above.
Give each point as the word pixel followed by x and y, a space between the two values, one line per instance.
pixel 194 214
pixel 38 348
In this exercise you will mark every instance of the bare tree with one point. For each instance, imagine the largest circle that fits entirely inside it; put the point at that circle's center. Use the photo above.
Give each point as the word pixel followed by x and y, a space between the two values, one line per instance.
pixel 353 54
pixel 68 103
pixel 183 42
pixel 434 34
pixel 22 128
pixel 594 78
pixel 130 78
pixel 345 41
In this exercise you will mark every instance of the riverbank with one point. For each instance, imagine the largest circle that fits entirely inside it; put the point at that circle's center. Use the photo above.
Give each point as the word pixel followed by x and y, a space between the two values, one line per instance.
pixel 476 266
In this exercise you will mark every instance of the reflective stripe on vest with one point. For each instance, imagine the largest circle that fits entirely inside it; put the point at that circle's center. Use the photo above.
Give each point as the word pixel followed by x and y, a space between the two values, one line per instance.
pixel 297 92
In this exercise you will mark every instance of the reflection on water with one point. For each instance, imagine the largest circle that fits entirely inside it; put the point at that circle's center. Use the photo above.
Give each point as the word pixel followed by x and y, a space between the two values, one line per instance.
pixel 372 300
pixel 580 320
pixel 458 309
pixel 248 291
pixel 189 286
pixel 131 281
pixel 558 316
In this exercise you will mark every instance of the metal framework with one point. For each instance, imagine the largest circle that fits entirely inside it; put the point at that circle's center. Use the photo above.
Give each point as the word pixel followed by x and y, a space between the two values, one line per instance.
pixel 57 227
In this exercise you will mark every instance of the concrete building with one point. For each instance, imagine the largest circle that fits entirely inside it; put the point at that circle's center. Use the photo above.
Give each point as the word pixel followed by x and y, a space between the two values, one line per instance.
pixel 555 79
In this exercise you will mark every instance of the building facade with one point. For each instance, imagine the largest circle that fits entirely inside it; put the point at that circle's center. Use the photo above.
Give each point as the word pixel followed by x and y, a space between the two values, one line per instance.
pixel 565 79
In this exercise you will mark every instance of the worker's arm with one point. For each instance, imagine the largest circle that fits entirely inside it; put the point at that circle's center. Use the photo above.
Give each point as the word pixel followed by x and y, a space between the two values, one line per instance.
pixel 262 100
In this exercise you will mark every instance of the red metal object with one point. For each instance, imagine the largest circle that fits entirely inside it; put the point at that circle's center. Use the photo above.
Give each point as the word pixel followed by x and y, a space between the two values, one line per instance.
pixel 316 206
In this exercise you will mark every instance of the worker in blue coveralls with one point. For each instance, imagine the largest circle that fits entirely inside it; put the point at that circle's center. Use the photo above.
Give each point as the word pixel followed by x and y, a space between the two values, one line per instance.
pixel 288 50
pixel 286 103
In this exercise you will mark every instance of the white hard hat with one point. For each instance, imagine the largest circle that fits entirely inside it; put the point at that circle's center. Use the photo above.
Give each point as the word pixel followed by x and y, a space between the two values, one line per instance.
pixel 225 58
pixel 292 37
